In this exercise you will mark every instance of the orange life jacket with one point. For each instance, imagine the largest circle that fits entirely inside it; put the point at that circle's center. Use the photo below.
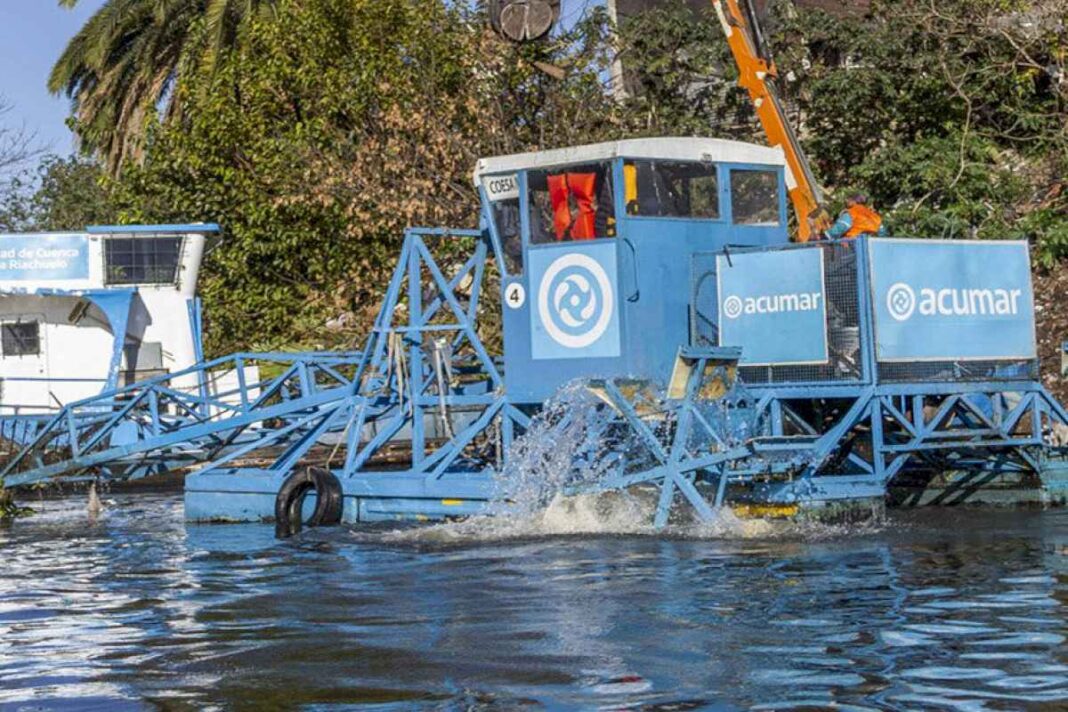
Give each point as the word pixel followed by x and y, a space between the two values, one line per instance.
pixel 865 221
pixel 580 224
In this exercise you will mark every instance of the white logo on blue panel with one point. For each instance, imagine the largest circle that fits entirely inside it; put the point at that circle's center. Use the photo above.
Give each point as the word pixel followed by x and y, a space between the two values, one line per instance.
pixel 773 305
pixel 900 301
pixel 953 300
pixel 732 307
pixel 575 301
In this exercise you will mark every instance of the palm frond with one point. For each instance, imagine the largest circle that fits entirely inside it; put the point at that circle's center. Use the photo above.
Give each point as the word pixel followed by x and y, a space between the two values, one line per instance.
pixel 123 64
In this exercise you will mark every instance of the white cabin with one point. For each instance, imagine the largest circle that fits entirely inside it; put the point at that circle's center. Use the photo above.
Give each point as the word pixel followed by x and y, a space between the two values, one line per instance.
pixel 85 312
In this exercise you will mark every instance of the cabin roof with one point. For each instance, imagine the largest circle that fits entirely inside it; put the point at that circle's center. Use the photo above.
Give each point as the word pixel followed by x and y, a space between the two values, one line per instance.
pixel 673 148
pixel 172 229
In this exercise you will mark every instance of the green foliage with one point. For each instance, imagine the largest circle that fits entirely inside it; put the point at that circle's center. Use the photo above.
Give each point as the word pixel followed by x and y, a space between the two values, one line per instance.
pixel 679 78
pixel 126 59
pixel 316 132
pixel 59 194
pixel 335 126
pixel 952 115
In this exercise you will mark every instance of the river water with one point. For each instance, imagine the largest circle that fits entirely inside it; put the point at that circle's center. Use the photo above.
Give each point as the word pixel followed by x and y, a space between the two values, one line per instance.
pixel 943 609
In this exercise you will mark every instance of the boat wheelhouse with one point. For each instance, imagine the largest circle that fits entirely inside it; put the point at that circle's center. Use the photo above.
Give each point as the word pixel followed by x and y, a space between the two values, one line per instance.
pixel 86 312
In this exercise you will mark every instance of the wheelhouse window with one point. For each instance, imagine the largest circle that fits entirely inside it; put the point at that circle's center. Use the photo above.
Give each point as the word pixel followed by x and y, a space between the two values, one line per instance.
pixel 506 217
pixel 141 260
pixel 671 189
pixel 755 197
pixel 571 203
pixel 21 338
pixel 502 191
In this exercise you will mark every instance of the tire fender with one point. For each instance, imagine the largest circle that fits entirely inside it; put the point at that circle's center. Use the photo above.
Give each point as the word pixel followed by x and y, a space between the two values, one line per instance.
pixel 289 504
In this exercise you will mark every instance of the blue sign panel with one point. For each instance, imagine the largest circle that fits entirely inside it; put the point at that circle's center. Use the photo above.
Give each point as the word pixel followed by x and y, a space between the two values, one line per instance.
pixel 38 258
pixel 575 312
pixel 773 305
pixel 939 300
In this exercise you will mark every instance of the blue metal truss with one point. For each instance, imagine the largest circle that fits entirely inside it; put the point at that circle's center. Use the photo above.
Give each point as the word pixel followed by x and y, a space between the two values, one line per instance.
pixel 184 417
pixel 980 429
pixel 430 421
pixel 419 423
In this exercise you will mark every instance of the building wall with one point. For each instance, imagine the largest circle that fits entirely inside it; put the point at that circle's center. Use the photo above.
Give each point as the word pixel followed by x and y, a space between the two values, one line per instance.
pixel 67 351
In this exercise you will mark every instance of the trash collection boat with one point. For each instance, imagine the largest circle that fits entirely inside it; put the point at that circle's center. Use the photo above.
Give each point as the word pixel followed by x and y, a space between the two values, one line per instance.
pixel 727 366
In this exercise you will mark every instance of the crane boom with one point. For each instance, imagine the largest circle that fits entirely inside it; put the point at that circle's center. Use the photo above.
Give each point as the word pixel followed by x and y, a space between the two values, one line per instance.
pixel 754 72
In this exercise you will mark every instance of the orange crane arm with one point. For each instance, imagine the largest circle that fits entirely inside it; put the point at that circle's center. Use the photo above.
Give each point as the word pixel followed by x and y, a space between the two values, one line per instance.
pixel 754 72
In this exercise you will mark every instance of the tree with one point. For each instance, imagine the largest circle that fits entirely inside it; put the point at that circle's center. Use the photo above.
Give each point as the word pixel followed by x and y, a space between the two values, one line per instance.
pixel 16 149
pixel 335 125
pixel 17 144
pixel 125 62
pixel 951 114
pixel 332 125
pixel 679 78
pixel 59 194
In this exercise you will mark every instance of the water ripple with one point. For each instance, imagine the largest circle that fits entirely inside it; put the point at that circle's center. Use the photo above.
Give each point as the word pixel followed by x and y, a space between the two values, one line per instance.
pixel 137 610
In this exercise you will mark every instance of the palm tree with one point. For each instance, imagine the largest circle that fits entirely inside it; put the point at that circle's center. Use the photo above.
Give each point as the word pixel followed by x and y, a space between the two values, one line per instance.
pixel 125 61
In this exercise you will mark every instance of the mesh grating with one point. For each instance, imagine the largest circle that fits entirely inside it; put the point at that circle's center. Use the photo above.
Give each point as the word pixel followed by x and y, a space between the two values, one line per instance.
pixel 843 320
pixel 912 372
pixel 843 331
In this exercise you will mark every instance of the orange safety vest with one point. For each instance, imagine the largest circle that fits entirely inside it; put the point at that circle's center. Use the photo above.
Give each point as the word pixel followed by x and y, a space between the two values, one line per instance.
pixel 865 221
pixel 580 224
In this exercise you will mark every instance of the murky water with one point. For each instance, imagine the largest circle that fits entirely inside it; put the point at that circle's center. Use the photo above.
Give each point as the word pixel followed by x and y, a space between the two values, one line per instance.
pixel 937 609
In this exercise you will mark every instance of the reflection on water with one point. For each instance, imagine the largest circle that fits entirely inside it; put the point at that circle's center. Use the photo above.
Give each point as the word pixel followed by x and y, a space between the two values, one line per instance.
pixel 943 609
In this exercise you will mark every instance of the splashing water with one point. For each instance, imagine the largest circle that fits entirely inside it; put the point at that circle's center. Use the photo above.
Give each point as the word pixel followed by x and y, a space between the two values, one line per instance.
pixel 570 443
pixel 573 443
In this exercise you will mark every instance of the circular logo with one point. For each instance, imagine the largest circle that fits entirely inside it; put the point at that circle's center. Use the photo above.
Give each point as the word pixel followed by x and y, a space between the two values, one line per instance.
pixel 575 300
pixel 900 301
pixel 732 307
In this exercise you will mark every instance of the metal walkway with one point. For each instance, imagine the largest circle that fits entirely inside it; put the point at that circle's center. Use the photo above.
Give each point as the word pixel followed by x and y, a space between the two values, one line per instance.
pixel 185 418
pixel 419 423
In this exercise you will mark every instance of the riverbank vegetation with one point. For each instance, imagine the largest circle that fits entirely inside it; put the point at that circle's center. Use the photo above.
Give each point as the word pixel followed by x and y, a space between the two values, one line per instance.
pixel 9 509
pixel 314 131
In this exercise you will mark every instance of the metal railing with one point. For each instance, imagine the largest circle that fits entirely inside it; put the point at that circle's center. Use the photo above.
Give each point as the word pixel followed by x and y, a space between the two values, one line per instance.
pixel 194 412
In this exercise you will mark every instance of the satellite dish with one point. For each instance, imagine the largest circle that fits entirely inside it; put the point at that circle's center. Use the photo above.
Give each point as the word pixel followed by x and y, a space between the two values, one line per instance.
pixel 523 20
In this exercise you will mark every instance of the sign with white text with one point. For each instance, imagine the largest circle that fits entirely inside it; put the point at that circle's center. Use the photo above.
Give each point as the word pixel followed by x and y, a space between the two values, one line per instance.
pixel 952 300
pixel 42 258
pixel 773 305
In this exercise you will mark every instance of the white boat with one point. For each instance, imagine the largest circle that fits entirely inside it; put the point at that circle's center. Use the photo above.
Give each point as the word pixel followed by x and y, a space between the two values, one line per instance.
pixel 84 312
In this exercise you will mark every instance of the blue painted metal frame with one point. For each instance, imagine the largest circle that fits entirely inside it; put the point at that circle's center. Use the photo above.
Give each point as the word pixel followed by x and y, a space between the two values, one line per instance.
pixel 982 429
pixel 652 257
pixel 153 229
pixel 162 422
pixel 425 422
pixel 425 381
pixel 944 423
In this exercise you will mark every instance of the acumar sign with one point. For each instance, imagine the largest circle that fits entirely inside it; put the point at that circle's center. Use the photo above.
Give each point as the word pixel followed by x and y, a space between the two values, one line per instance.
pixel 773 305
pixel 903 303
pixel 952 300
pixel 734 306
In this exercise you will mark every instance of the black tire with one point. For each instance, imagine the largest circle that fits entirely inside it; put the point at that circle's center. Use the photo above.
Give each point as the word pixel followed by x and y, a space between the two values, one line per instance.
pixel 289 504
pixel 330 502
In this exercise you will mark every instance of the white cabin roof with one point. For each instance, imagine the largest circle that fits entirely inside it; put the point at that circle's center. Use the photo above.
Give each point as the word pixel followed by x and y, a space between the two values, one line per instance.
pixel 673 148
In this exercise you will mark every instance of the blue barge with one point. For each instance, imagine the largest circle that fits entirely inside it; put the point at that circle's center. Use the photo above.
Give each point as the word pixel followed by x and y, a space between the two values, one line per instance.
pixel 729 366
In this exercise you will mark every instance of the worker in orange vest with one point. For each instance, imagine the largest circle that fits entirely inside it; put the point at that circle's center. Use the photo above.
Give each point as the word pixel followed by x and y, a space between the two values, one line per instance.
pixel 857 220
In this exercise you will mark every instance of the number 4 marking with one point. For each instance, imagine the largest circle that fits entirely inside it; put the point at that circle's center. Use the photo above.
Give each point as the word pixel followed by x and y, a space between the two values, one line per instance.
pixel 515 296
